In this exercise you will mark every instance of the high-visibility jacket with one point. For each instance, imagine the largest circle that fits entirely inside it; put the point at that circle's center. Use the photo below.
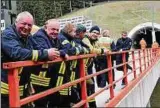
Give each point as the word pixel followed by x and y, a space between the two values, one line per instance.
pixel 16 48
pixel 143 44
pixel 93 45
pixel 155 45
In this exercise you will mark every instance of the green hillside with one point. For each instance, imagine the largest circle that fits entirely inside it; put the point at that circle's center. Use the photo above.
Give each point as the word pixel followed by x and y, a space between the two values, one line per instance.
pixel 122 15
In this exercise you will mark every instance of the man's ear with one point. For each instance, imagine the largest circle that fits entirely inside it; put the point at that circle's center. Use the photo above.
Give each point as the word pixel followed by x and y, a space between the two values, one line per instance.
pixel 45 27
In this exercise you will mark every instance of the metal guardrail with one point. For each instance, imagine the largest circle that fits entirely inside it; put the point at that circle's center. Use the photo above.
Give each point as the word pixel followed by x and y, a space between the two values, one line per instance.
pixel 151 55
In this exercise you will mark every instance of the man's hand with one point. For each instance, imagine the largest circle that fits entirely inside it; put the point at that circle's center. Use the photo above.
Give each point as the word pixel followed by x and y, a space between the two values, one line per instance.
pixel 66 56
pixel 53 53
pixel 106 51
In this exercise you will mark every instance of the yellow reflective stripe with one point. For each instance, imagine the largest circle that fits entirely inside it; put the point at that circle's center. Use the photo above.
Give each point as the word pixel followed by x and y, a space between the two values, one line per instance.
pixel 61 71
pixel 40 81
pixel 73 65
pixel 92 100
pixel 77 51
pixel 65 42
pixel 20 70
pixel 85 50
pixel 45 65
pixel 35 55
pixel 39 78
pixel 42 73
pixel 71 78
pixel 63 93
pixel 64 68
pixel 61 67
pixel 4 91
pixel 4 85
pixel 73 43
pixel 41 84
pixel 59 81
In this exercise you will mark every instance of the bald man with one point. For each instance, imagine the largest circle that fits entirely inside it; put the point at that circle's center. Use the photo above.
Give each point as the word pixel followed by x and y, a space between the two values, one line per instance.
pixel 47 37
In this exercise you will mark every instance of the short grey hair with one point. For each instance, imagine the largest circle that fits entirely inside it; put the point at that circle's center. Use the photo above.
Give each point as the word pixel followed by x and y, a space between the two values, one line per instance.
pixel 23 15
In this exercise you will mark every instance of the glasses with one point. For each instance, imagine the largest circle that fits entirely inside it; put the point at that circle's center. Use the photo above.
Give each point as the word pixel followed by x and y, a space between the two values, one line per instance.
pixel 96 33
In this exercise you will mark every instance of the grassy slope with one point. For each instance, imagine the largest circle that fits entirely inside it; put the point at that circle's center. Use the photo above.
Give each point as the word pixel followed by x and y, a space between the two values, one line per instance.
pixel 118 16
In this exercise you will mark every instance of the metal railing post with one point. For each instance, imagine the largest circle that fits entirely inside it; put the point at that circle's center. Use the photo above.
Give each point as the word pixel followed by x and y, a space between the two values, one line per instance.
pixel 110 75
pixel 148 56
pixel 134 65
pixel 140 63
pixel 125 68
pixel 83 83
pixel 13 82
pixel 144 59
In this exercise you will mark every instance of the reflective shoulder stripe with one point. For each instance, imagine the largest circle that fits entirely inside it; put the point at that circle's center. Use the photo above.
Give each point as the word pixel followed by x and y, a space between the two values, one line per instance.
pixel 35 55
pixel 65 42
pixel 77 51
pixel 73 43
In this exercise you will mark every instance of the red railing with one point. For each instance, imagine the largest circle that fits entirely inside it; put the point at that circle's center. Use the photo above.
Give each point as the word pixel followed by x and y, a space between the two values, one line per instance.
pixel 150 57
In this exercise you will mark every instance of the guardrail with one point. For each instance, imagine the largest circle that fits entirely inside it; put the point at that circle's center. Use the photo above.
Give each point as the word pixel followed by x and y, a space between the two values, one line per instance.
pixel 150 57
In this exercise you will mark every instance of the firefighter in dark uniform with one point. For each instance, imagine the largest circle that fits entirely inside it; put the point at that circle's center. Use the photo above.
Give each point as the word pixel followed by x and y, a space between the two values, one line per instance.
pixel 124 43
pixel 91 39
pixel 46 38
pixel 66 37
pixel 18 45
pixel 80 33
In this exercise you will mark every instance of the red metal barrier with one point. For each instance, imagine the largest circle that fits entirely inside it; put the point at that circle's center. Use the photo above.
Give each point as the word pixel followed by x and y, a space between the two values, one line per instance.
pixel 15 101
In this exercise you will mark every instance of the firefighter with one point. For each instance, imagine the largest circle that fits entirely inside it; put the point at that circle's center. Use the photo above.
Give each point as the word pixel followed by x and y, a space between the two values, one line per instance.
pixel 47 37
pixel 66 37
pixel 17 45
pixel 124 43
pixel 143 43
pixel 154 46
pixel 107 43
pixel 91 39
pixel 80 33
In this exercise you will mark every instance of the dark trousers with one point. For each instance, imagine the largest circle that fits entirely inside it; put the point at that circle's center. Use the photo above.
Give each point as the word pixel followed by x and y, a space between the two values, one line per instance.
pixel 101 64
pixel 91 87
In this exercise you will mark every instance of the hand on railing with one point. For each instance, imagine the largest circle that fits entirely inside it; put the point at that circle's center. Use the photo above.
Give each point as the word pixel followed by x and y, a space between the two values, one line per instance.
pixel 66 56
pixel 53 53
pixel 106 51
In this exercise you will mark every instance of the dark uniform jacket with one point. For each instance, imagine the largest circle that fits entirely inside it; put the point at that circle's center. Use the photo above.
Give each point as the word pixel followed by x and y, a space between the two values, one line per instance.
pixel 15 48
pixel 124 44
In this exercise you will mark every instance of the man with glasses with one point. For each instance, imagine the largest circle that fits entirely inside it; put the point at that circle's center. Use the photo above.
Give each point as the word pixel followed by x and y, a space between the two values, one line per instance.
pixel 91 40
pixel 124 43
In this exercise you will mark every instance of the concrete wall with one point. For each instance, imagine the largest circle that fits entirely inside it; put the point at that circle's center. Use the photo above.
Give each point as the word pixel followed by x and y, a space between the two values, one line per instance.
pixel 139 96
